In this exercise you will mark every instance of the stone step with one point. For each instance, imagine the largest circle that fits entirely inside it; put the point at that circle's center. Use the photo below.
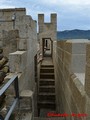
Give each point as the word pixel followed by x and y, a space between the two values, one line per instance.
pixel 47 66
pixel 50 97
pixel 46 105
pixel 43 82
pixel 50 86
pixel 47 94
pixel 44 112
pixel 50 89
pixel 47 70
pixel 46 98
pixel 47 80
pixel 47 76
pixel 49 118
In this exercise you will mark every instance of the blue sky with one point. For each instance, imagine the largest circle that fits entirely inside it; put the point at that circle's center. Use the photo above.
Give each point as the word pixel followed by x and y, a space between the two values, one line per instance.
pixel 72 14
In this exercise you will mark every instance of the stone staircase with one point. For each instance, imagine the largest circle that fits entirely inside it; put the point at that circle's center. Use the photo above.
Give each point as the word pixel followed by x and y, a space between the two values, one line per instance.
pixel 46 94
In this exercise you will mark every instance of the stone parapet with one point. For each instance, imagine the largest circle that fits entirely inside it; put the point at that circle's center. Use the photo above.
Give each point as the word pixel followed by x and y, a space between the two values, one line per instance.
pixel 71 62
pixel 17 61
pixel 87 71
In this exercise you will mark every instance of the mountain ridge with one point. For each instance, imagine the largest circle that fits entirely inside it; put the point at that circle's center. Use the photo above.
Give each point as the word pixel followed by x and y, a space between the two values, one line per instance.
pixel 73 34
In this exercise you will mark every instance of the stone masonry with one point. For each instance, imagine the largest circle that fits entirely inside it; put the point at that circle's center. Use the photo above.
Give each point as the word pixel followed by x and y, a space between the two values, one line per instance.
pixel 22 60
pixel 72 92
pixel 71 58
pixel 47 30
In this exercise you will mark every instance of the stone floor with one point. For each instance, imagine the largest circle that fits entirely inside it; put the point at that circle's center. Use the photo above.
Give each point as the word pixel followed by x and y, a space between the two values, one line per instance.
pixel 47 61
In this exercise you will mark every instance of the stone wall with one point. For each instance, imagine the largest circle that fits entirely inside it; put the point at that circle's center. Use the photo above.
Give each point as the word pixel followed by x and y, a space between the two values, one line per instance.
pixel 70 64
pixel 28 43
pixel 22 60
pixel 7 17
pixel 9 41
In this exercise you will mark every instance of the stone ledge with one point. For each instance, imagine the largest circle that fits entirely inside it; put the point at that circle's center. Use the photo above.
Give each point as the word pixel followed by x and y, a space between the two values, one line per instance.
pixel 17 61
pixel 12 9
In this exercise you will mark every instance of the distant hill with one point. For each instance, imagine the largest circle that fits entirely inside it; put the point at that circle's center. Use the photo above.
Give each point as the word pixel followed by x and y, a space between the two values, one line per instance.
pixel 73 34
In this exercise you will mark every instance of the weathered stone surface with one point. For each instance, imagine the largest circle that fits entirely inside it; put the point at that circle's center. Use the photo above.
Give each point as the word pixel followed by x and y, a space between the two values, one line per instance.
pixel 70 91
pixel 87 107
pixel 61 44
pixel 76 46
pixel 9 41
pixel 79 94
pixel 88 53
pixel 81 77
pixel 47 30
pixel 68 46
pixel 17 61
pixel 78 63
pixel 67 57
pixel 87 86
pixel 22 44
pixel 24 39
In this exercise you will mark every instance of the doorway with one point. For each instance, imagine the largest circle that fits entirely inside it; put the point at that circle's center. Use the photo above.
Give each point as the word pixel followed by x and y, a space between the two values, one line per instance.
pixel 47 47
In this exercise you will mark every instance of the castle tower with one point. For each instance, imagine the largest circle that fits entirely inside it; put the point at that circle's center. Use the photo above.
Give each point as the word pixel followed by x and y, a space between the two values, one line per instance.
pixel 47 31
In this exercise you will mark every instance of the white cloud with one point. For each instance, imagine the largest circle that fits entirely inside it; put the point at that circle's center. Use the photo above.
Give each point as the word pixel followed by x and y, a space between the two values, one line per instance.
pixel 6 4
pixel 71 13
pixel 66 2
pixel 74 2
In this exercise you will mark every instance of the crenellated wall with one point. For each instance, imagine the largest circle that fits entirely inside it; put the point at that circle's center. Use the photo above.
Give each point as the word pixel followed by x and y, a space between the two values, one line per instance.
pixel 47 30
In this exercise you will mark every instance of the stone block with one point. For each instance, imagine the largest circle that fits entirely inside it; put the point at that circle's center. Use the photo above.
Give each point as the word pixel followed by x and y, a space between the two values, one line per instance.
pixel 68 47
pixel 66 73
pixel 79 48
pixel 60 64
pixel 9 41
pixel 67 57
pixel 61 44
pixel 17 61
pixel 88 53
pixel 60 53
pixel 81 77
pixel 76 46
pixel 87 86
pixel 87 80
pixel 78 94
pixel 87 72
pixel 78 63
pixel 87 107
pixel 68 93
pixel 73 107
pixel 22 44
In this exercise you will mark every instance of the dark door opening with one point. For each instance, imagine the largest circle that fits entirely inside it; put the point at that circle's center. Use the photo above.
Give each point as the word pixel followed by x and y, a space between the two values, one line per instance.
pixel 35 67
pixel 47 47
